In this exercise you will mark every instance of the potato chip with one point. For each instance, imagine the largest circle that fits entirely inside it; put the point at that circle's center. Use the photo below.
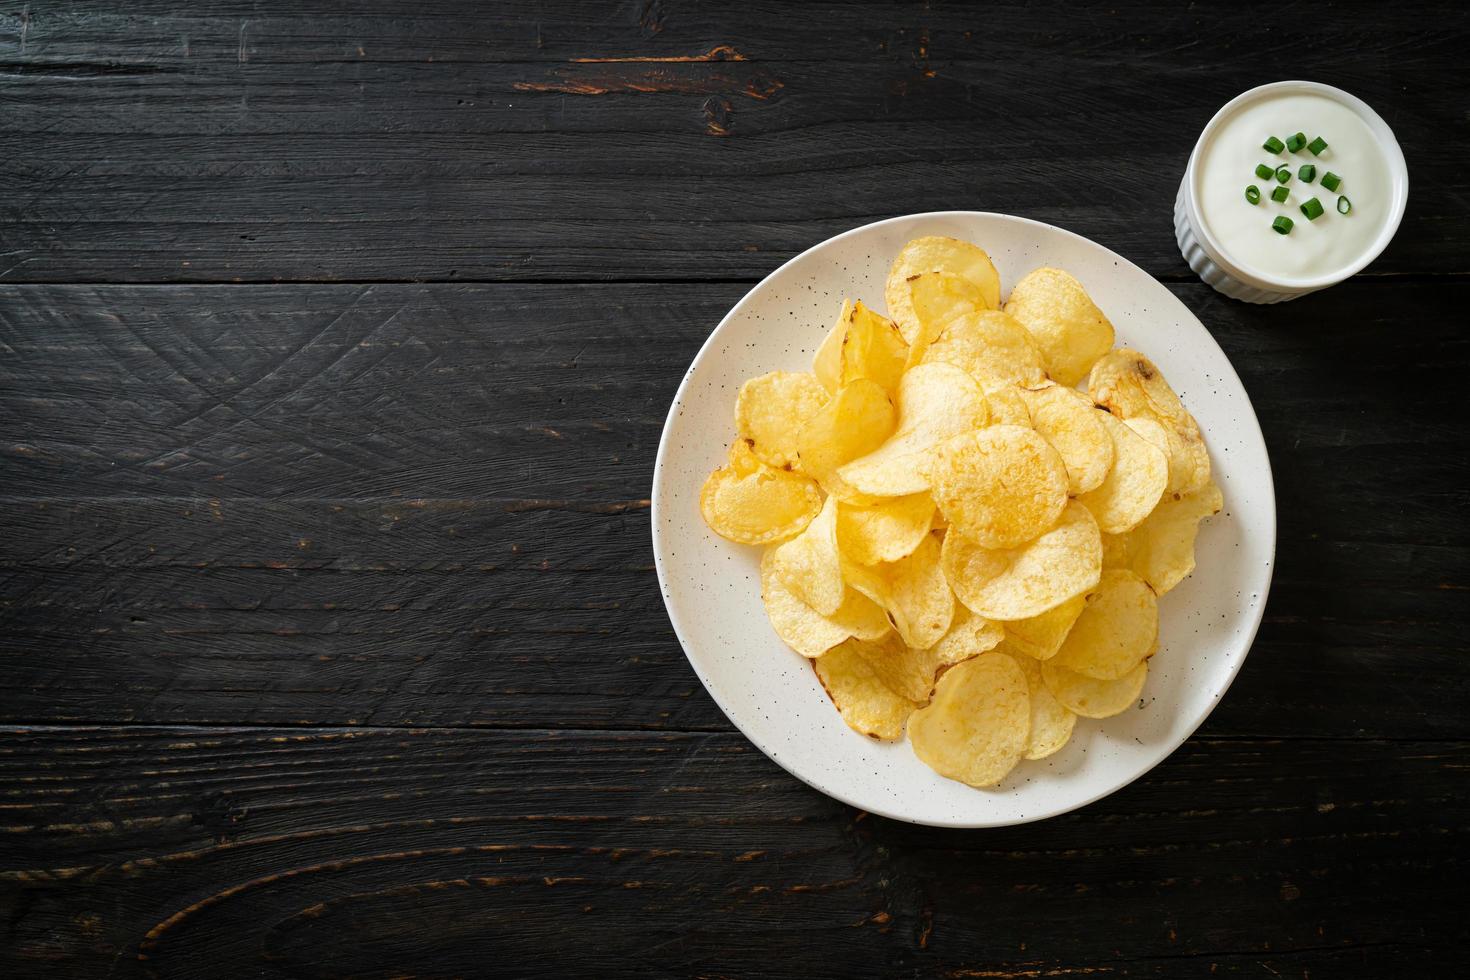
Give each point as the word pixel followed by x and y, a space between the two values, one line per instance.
pixel 771 410
pixel 978 725
pixel 1091 697
pixel 935 402
pixel 886 531
pixel 1019 583
pixel 810 565
pixel 1161 549
pixel 1001 486
pixel 1040 637
pixel 1051 721
pixel 906 672
pixel 992 348
pixel 807 631
pixel 1067 419
pixel 950 256
pixel 1131 387
pixel 874 349
pixel 827 363
pixel 1007 407
pixel 938 298
pixel 1188 458
pixel 853 423
pixel 750 503
pixel 1069 328
pixel 864 701
pixel 1117 553
pixel 912 590
pixel 1133 486
pixel 968 636
pixel 1119 628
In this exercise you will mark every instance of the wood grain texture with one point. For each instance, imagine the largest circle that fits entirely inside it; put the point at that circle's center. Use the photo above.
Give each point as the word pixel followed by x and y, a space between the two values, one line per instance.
pixel 187 853
pixel 291 505
pixel 667 140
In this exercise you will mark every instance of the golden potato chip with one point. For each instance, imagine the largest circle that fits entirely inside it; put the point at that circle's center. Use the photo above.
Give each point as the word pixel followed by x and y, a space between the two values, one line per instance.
pixel 1131 387
pixel 937 298
pixel 906 672
pixel 827 363
pixel 1001 486
pixel 991 347
pixel 950 256
pixel 1051 721
pixel 1117 553
pixel 1019 583
pixel 912 590
pixel 751 503
pixel 810 565
pixel 1188 458
pixel 978 725
pixel 771 410
pixel 935 402
pixel 1069 328
pixel 1091 697
pixel 968 636
pixel 864 701
pixel 1067 419
pixel 807 631
pixel 1007 407
pixel 1040 637
pixel 853 423
pixel 1161 549
pixel 885 531
pixel 1134 484
pixel 874 349
pixel 1119 628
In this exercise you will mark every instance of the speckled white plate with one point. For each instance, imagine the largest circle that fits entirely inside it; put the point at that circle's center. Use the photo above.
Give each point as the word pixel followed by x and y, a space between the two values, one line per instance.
pixel 712 587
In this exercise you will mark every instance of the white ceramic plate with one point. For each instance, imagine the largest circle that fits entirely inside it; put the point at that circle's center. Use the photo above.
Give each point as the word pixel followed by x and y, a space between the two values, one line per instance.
pixel 712 587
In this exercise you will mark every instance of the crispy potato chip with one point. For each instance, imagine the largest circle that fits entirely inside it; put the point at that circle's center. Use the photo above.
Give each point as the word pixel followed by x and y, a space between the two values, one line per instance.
pixel 1131 387
pixel 969 636
pixel 1051 721
pixel 1067 419
pixel 907 672
pixel 1001 486
pixel 1161 549
pixel 1117 552
pixel 992 348
pixel 1007 407
pixel 1133 486
pixel 978 725
pixel 810 565
pixel 807 631
pixel 771 410
pixel 1090 697
pixel 1069 328
pixel 937 298
pixel 949 256
pixel 1040 637
pixel 1119 628
pixel 827 363
pixel 885 531
pixel 750 503
pixel 853 423
pixel 1019 583
pixel 935 402
pixel 1187 458
pixel 864 701
pixel 912 590
pixel 874 349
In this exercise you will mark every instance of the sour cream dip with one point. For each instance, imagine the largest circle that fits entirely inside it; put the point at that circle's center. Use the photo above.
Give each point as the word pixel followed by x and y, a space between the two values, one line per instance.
pixel 1342 201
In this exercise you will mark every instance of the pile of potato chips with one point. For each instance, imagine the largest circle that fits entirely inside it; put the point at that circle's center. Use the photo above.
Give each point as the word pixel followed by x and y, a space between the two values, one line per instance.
pixel 962 541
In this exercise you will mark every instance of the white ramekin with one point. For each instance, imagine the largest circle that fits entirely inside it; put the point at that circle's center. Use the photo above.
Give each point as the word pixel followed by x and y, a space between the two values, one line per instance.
pixel 1211 263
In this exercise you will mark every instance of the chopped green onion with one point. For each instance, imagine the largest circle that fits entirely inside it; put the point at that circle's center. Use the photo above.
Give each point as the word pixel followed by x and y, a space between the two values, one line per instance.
pixel 1306 173
pixel 1331 181
pixel 1312 209
pixel 1282 225
pixel 1272 145
pixel 1344 205
pixel 1253 194
pixel 1317 146
pixel 1264 172
pixel 1279 194
pixel 1283 174
pixel 1295 143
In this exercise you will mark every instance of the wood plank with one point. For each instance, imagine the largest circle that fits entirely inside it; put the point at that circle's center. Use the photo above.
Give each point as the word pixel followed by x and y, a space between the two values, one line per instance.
pixel 271 142
pixel 291 505
pixel 388 853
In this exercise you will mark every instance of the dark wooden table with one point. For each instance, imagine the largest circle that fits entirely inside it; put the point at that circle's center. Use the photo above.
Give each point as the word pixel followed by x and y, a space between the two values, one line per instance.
pixel 334 351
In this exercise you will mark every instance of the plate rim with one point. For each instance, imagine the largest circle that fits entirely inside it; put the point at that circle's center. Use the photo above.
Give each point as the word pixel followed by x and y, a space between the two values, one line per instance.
pixel 655 501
